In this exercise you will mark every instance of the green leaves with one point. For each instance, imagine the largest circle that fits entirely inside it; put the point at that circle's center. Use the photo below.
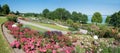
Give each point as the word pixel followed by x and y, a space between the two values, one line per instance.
pixel 5 9
pixel 115 19
pixel 97 17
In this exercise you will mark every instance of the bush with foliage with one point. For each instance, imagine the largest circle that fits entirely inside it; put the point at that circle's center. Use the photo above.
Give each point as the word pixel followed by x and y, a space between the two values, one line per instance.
pixel 115 19
pixel 74 26
pixel 12 18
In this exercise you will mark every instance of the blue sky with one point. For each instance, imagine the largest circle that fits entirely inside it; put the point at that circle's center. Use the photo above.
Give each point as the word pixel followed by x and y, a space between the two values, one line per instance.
pixel 105 7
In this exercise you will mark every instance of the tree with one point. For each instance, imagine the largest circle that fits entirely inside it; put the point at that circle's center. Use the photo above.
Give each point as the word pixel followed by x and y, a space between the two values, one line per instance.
pixel 0 10
pixel 115 19
pixel 107 19
pixel 97 18
pixel 84 18
pixel 45 12
pixel 17 13
pixel 79 17
pixel 62 14
pixel 5 9
pixel 69 21
pixel 12 12
pixel 75 16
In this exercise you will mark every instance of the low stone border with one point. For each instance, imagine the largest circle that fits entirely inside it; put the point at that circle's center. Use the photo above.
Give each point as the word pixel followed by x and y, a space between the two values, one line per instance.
pixel 10 39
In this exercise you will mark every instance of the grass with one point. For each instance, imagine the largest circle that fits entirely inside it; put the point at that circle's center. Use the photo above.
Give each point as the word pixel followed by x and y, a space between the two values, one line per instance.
pixel 52 26
pixel 4 46
pixel 36 28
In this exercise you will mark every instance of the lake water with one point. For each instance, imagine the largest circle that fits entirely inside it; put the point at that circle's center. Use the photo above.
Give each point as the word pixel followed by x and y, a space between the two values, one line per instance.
pixel 103 17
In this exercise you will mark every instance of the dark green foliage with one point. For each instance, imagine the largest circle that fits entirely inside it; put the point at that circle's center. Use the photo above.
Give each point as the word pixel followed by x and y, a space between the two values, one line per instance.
pixel 30 14
pixel 12 12
pixel 69 21
pixel 12 18
pixel 85 18
pixel 0 10
pixel 115 19
pixel 97 18
pixel 63 15
pixel 45 12
pixel 107 19
pixel 5 9
pixel 79 17
pixel 17 13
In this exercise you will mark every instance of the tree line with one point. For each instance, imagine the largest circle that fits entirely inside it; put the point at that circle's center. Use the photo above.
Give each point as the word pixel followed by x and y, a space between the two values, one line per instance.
pixel 5 10
pixel 64 15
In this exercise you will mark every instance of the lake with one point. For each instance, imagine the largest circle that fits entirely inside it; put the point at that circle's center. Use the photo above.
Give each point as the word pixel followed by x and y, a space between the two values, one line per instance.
pixel 103 17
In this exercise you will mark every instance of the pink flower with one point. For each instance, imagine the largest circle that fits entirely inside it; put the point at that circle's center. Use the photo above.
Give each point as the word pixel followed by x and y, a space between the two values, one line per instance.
pixel 15 44
pixel 32 46
pixel 48 46
pixel 12 44
pixel 56 46
pixel 38 43
pixel 67 51
pixel 53 51
pixel 43 49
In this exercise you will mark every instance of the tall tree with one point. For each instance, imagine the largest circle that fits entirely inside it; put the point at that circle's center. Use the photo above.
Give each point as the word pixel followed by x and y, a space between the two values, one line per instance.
pixel 107 19
pixel 62 14
pixel 115 19
pixel 84 18
pixel 75 16
pixel 12 12
pixel 97 17
pixel 5 9
pixel 0 10
pixel 17 13
pixel 45 12
pixel 79 17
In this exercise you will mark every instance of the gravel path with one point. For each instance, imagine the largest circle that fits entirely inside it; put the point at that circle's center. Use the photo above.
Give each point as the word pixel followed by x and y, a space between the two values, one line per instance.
pixel 10 39
pixel 46 28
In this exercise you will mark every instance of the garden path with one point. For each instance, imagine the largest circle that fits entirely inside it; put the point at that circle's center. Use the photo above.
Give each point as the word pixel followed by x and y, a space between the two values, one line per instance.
pixel 46 28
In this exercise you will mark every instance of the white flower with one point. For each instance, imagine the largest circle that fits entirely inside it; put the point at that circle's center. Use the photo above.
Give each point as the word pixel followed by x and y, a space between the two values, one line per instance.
pixel 14 25
pixel 95 37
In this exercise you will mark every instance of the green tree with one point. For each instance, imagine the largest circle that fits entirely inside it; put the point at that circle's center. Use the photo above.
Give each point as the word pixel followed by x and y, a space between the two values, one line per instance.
pixel 79 17
pixel 84 18
pixel 75 16
pixel 0 10
pixel 51 15
pixel 17 13
pixel 62 14
pixel 115 19
pixel 45 12
pixel 5 9
pixel 69 21
pixel 97 18
pixel 107 19
pixel 12 12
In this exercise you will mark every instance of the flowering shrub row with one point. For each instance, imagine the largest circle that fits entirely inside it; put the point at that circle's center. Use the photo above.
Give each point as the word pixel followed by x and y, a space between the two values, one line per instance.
pixel 32 42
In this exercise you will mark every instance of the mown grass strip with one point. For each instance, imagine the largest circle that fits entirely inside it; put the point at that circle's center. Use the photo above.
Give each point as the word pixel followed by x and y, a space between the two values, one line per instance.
pixel 4 46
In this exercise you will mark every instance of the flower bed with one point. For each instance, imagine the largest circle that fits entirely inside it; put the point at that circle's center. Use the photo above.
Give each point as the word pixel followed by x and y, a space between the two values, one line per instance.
pixel 32 41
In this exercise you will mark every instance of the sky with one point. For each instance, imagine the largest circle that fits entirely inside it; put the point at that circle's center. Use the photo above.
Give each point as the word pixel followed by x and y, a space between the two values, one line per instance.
pixel 105 7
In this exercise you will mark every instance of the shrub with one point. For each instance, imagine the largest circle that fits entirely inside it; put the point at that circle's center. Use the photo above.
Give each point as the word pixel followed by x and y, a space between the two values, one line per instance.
pixel 79 50
pixel 12 18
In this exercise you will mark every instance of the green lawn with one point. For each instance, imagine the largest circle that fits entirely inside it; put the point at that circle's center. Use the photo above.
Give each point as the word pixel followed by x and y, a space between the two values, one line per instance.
pixel 4 46
pixel 52 26
pixel 36 28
